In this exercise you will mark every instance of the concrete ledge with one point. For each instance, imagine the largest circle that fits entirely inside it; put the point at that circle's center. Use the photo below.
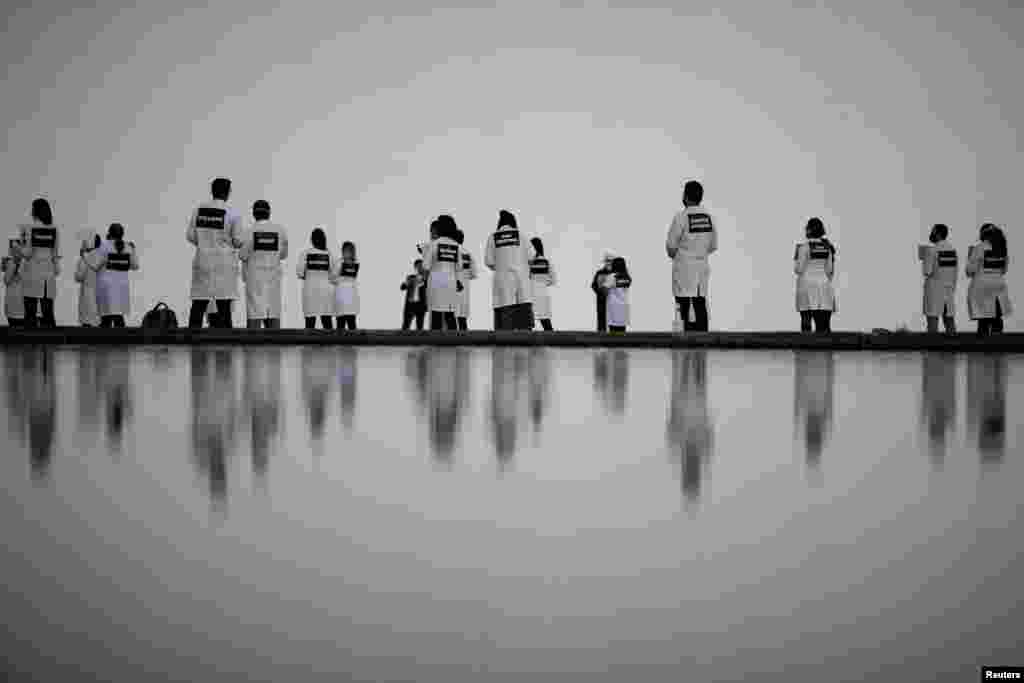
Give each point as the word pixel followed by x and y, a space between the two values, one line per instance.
pixel 837 341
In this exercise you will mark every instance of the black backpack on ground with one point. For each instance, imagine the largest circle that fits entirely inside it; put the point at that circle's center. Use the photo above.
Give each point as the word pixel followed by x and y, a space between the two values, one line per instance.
pixel 161 318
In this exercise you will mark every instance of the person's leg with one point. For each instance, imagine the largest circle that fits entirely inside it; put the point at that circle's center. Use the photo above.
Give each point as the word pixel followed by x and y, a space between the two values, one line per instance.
pixel 327 322
pixel 224 313
pixel 272 323
pixel 683 304
pixel 618 329
pixel 997 323
pixel 950 324
pixel 421 314
pixel 463 324
pixel 351 322
pixel 407 316
pixel 253 323
pixel 119 321
pixel 310 322
pixel 932 322
pixel 826 321
pixel 805 321
pixel 196 315
pixel 700 312
pixel 16 322
pixel 46 306
pixel 982 327
pixel 546 324
pixel 436 320
pixel 450 322
pixel 602 313
pixel 31 312
pixel 497 319
pixel 106 321
pixel 341 322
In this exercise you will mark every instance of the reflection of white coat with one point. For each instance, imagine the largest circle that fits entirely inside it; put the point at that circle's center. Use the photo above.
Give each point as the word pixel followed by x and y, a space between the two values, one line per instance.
pixel 617 305
pixel 216 231
pixel 542 276
pixel 691 238
pixel 468 273
pixel 939 269
pixel 814 266
pixel 40 260
pixel 264 246
pixel 346 288
pixel 113 281
pixel 14 302
pixel 443 259
pixel 85 276
pixel 508 254
pixel 988 283
pixel 314 269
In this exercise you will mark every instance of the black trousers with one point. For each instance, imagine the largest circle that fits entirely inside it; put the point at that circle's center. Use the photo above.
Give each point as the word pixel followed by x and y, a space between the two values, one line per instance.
pixel 545 323
pixel 112 321
pixel 700 313
pixel 986 326
pixel 223 315
pixel 413 311
pixel 439 320
pixel 325 321
pixel 346 321
pixel 463 324
pixel 947 321
pixel 266 323
pixel 602 312
pixel 822 321
pixel 33 306
pixel 16 322
pixel 616 328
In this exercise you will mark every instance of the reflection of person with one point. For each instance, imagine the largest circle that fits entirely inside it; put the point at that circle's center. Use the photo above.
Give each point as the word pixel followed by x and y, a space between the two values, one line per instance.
pixel 938 399
pixel 214 417
pixel 41 399
pixel 262 400
pixel 986 404
pixel 415 297
pixel 318 381
pixel 540 380
pixel 114 383
pixel 814 381
pixel 814 265
pixel 348 367
pixel 692 237
pixel 40 255
pixel 264 247
pixel 988 299
pixel 507 374
pixel 938 264
pixel 216 231
pixel 689 427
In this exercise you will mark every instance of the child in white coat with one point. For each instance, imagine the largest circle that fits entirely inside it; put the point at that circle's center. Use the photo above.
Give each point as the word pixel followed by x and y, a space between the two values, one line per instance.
pixel 617 284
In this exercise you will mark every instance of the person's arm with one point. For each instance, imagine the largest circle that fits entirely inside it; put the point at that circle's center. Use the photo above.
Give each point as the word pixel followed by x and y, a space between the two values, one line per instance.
pixel 830 266
pixel 472 268
pixel 237 232
pixel 458 270
pixel 245 251
pixel 81 269
pixel 800 259
pixel 489 253
pixel 975 255
pixel 713 245
pixel 134 256
pixel 284 245
pixel 551 274
pixel 300 267
pixel 428 257
pixel 928 262
pixel 675 232
pixel 190 232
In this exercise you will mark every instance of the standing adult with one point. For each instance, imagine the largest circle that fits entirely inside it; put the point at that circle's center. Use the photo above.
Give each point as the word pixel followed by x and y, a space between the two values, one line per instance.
pixel 113 282
pixel 814 265
pixel 468 274
pixel 264 247
pixel 314 269
pixel 508 255
pixel 415 296
pixel 346 287
pixel 938 264
pixel 692 236
pixel 988 298
pixel 600 293
pixel 85 276
pixel 442 258
pixel 216 231
pixel 40 264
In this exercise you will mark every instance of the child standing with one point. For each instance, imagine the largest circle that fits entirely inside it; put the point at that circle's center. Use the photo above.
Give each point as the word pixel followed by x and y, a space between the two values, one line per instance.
pixel 616 285
pixel 346 290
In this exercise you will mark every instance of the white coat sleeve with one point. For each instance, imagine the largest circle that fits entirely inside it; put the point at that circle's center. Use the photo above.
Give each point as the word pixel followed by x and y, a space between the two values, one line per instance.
pixel 675 233
pixel 10 271
pixel 428 256
pixel 190 230
pixel 472 268
pixel 300 267
pixel 713 244
pixel 237 231
pixel 928 262
pixel 552 280
pixel 974 260
pixel 134 259
pixel 81 269
pixel 830 266
pixel 245 251
pixel 334 271
pixel 459 270
pixel 800 262
pixel 489 253
pixel 284 245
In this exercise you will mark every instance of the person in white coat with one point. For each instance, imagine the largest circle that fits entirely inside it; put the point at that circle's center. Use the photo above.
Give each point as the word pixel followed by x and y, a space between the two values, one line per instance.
pixel 442 259
pixel 85 276
pixel 542 278
pixel 346 287
pixel 216 231
pixel 14 303
pixel 40 264
pixel 692 237
pixel 314 269
pixel 814 265
pixel 988 298
pixel 113 280
pixel 264 247
pixel 508 255
pixel 939 267
pixel 468 274
pixel 616 284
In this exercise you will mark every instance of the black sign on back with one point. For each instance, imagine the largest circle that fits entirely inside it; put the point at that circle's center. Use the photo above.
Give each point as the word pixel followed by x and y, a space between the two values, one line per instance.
pixel 44 238
pixel 699 222
pixel 447 253
pixel 540 266
pixel 946 259
pixel 819 251
pixel 349 269
pixel 264 241
pixel 623 281
pixel 210 218
pixel 318 262
pixel 506 238
pixel 121 261
pixel 994 262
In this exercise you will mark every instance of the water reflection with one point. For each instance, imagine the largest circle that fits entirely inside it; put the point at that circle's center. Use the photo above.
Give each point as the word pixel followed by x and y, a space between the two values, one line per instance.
pixel 508 374
pixel 938 401
pixel 114 389
pixel 87 369
pixel 986 404
pixel 690 431
pixel 214 416
pixel 318 381
pixel 32 404
pixel 347 371
pixel 261 396
pixel 611 379
pixel 814 381
pixel 540 385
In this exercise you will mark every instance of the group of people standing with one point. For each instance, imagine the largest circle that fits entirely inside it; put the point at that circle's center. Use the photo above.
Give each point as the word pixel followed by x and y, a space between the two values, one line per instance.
pixel 523 274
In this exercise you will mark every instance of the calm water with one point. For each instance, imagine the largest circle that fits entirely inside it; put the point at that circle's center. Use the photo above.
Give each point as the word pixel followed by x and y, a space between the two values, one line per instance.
pixel 324 514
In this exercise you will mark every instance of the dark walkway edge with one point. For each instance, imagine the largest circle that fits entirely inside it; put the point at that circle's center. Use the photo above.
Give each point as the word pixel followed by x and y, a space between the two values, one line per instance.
pixel 838 341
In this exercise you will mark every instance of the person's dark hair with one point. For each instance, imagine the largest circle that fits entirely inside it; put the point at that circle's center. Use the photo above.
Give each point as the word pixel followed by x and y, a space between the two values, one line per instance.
pixel 816 230
pixel 116 233
pixel 619 266
pixel 538 246
pixel 261 210
pixel 940 231
pixel 318 239
pixel 417 262
pixel 994 236
pixel 42 212
pixel 348 246
pixel 506 219
pixel 446 226
pixel 220 188
pixel 96 242
pixel 460 236
pixel 693 192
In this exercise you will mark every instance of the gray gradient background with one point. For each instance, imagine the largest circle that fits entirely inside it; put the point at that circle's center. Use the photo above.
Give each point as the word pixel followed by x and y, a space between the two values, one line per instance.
pixel 370 118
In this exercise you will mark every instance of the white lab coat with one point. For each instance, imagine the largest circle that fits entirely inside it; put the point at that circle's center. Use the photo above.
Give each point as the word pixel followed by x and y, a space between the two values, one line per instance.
pixel 508 254
pixel 542 276
pixel 443 259
pixel 692 236
pixel 264 247
pixel 346 287
pixel 988 283
pixel 814 266
pixel 939 267
pixel 85 276
pixel 216 231
pixel 40 260
pixel 113 280
pixel 468 273
pixel 314 269
pixel 617 304
pixel 14 301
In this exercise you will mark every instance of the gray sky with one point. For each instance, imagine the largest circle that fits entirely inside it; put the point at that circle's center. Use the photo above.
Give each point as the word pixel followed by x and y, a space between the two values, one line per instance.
pixel 372 118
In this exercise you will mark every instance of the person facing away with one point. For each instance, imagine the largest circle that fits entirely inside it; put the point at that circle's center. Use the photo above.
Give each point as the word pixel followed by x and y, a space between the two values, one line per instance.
pixel 40 264
pixel 988 298
pixel 442 258
pixel 346 288
pixel 596 285
pixel 814 265
pixel 939 266
pixel 692 237
pixel 85 276
pixel 468 273
pixel 14 302
pixel 415 296
pixel 616 284
pixel 216 231
pixel 117 259
pixel 314 269
pixel 508 255
pixel 264 248
pixel 542 277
